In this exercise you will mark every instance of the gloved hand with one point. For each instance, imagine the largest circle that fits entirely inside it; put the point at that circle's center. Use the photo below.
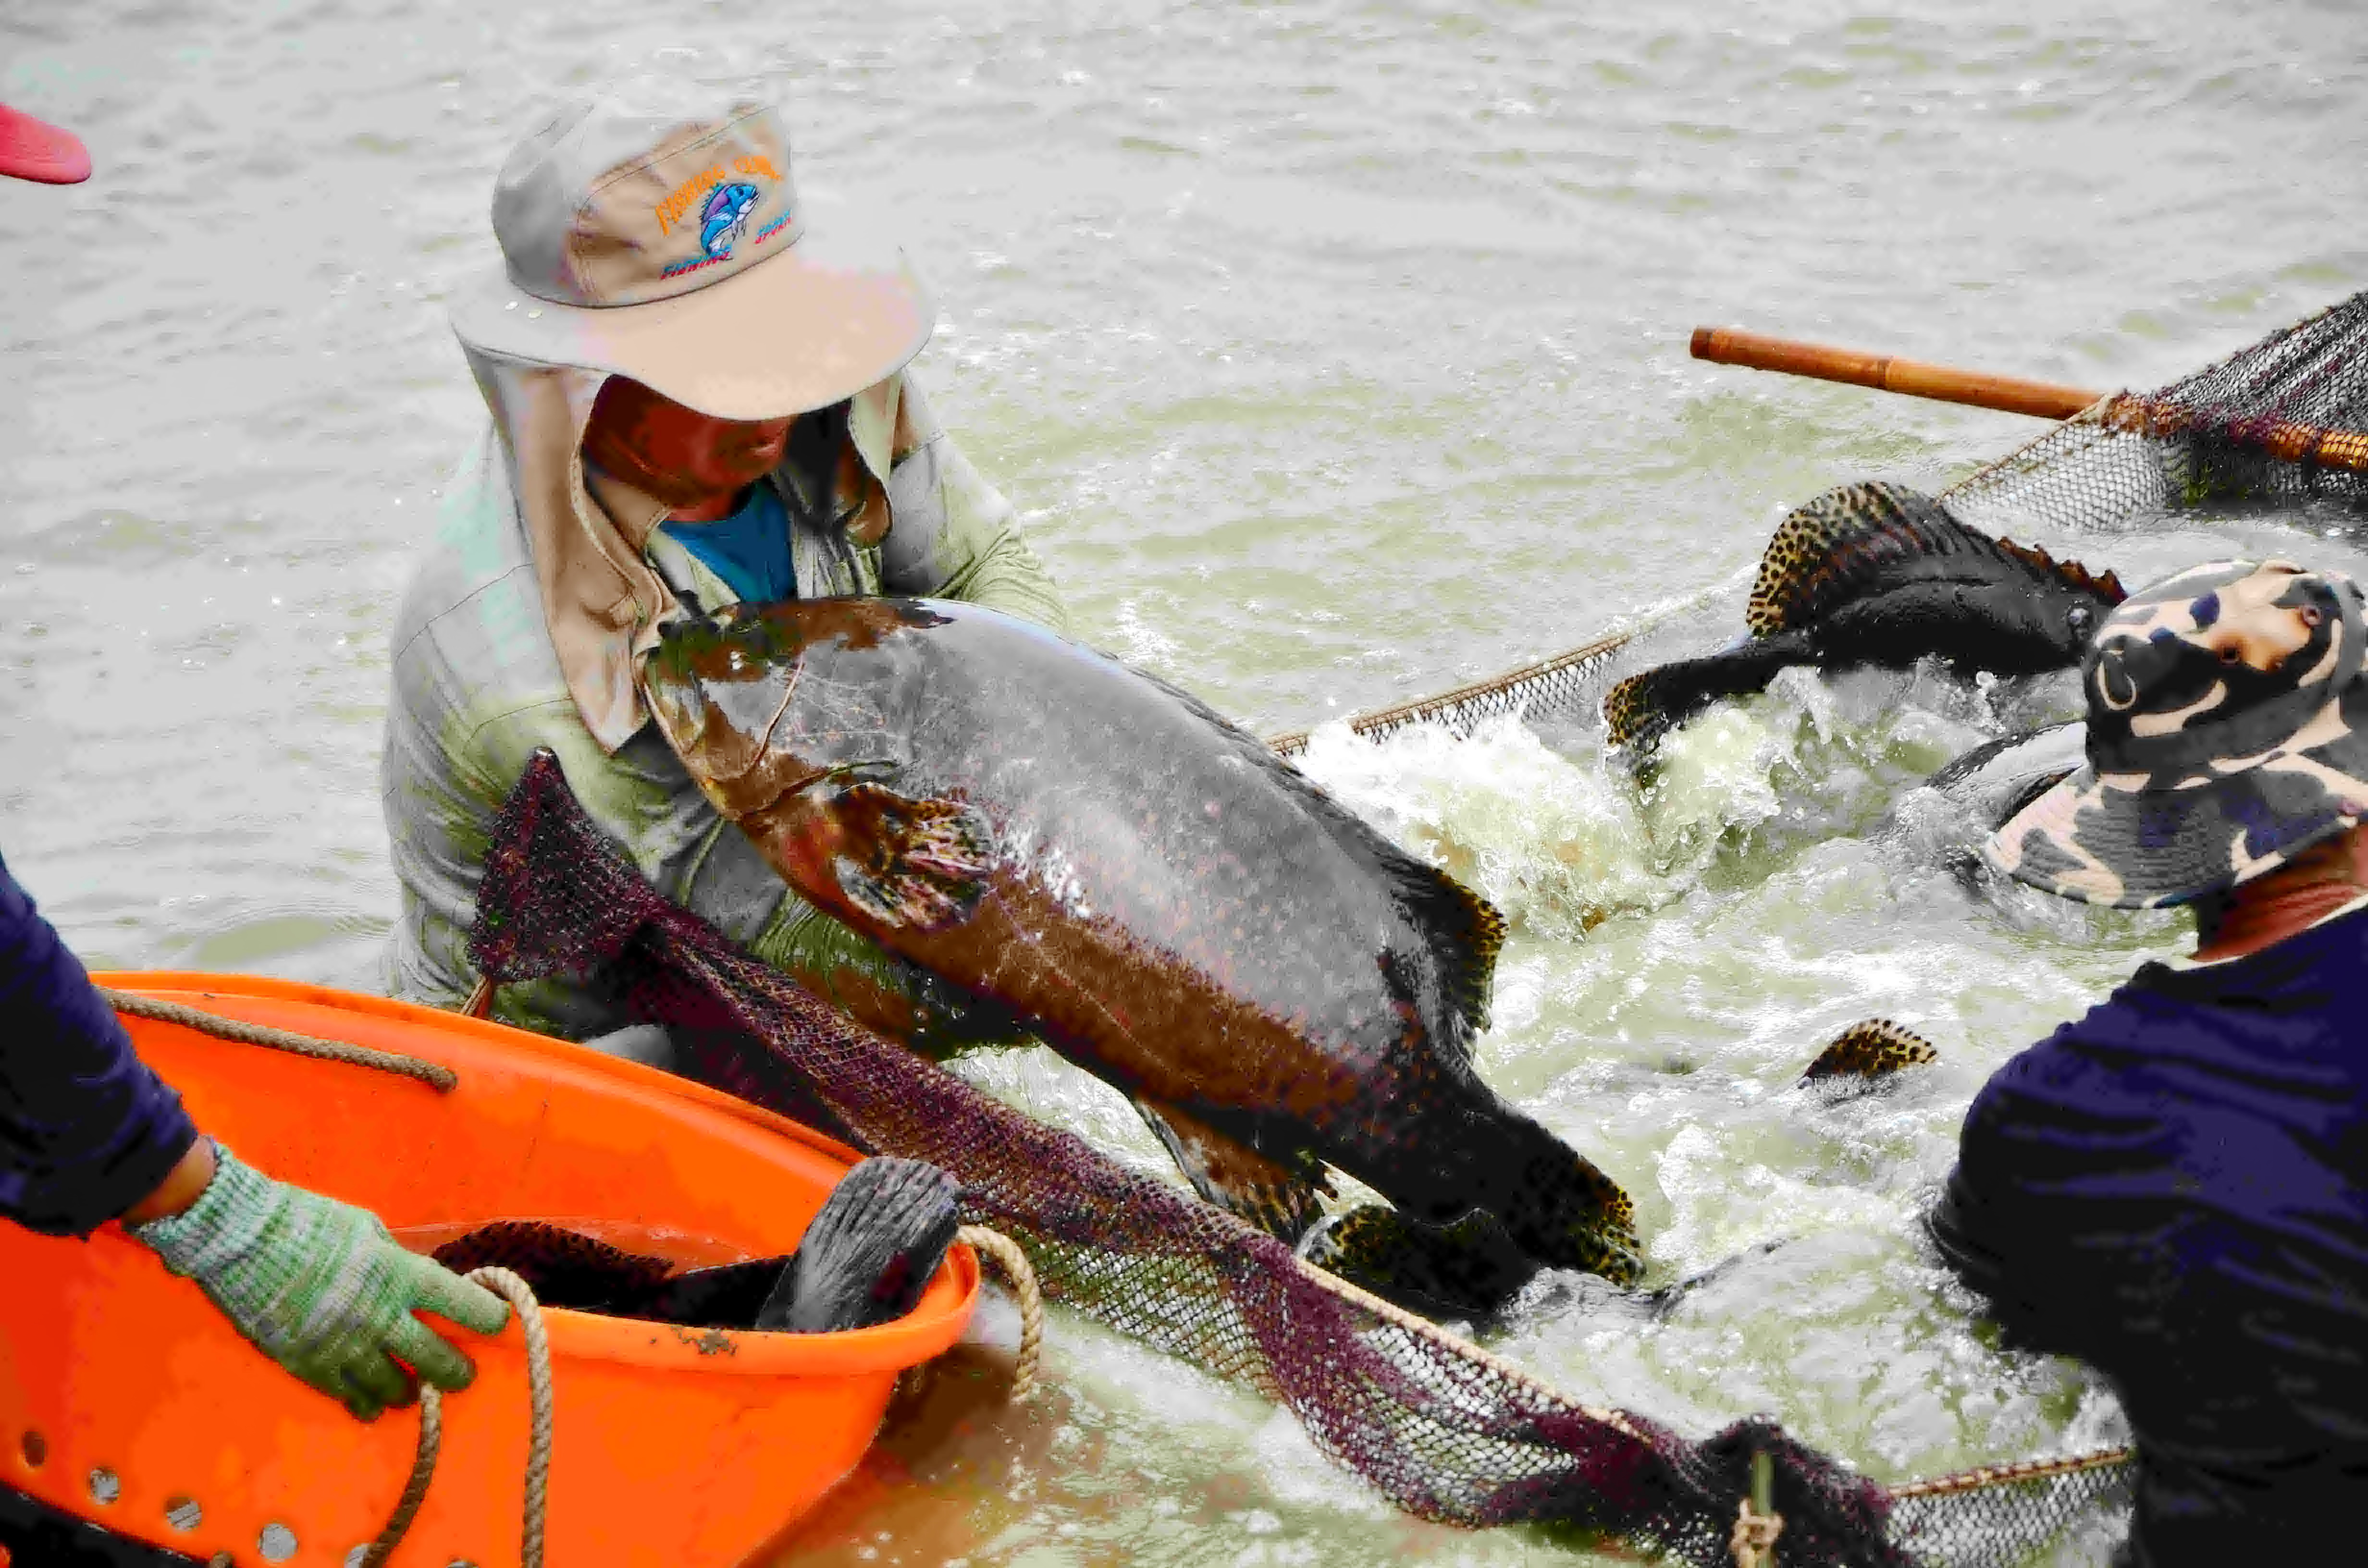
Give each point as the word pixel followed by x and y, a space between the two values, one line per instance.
pixel 321 1288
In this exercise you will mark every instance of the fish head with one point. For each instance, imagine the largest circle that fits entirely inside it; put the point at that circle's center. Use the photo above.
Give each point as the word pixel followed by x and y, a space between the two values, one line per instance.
pixel 2060 605
pixel 717 684
pixel 725 690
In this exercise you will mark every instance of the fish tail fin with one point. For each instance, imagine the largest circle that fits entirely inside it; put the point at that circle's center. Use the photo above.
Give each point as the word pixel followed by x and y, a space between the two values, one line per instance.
pixel 1564 1211
pixel 1875 1049
pixel 1472 1149
pixel 1641 709
pixel 870 1252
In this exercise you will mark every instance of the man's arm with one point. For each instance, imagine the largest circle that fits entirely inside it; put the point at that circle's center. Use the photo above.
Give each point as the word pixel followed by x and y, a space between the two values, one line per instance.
pixel 2055 1214
pixel 954 535
pixel 86 1130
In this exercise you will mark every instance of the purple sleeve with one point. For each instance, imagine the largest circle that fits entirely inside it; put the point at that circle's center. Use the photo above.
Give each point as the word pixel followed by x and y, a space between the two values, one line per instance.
pixel 86 1130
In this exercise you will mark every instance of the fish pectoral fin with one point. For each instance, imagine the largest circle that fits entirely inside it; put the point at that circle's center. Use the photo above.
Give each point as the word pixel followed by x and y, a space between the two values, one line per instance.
pixel 1236 1177
pixel 920 864
pixel 1875 1049
pixel 1641 710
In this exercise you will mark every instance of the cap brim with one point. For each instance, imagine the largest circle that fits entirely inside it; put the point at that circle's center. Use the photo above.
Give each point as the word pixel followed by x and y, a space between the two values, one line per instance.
pixel 36 150
pixel 808 326
pixel 2101 842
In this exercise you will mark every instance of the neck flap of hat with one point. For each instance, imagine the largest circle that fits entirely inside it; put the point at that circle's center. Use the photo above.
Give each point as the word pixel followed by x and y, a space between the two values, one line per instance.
pixel 601 600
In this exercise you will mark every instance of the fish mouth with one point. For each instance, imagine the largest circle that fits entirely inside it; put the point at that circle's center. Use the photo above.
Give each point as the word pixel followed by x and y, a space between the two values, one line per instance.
pixel 712 701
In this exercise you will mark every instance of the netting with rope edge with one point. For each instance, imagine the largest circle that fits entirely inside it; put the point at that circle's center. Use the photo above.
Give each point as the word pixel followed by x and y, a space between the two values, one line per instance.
pixel 2284 421
pixel 1440 1426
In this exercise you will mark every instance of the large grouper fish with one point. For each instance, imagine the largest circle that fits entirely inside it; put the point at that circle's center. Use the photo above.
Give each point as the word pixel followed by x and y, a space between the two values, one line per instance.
pixel 1875 574
pixel 1153 891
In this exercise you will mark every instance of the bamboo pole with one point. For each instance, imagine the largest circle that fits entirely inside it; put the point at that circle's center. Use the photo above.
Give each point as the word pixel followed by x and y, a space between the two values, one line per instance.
pixel 1886 372
pixel 2123 412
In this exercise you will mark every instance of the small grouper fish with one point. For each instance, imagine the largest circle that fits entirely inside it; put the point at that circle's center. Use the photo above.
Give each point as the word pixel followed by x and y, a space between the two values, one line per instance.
pixel 1154 892
pixel 1876 574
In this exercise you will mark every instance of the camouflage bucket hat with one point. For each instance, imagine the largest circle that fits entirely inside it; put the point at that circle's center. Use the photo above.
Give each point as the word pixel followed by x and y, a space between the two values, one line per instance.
pixel 2227 732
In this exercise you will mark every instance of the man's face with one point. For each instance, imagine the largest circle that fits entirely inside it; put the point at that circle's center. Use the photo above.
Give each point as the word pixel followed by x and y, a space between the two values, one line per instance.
pixel 685 458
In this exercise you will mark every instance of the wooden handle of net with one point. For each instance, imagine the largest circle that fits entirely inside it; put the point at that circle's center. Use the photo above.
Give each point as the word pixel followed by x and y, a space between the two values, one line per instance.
pixel 1888 372
pixel 2281 438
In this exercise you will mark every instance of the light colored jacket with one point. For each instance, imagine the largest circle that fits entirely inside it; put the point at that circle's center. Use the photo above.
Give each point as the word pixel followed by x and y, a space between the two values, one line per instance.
pixel 479 681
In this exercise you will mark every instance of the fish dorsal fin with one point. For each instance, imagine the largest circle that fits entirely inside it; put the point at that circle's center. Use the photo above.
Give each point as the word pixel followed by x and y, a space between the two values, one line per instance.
pixel 2075 576
pixel 1465 931
pixel 1827 547
pixel 1875 1049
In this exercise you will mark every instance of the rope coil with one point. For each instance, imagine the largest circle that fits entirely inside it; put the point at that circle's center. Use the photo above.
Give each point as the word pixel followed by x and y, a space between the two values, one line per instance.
pixel 520 1296
pixel 1021 1276
pixel 441 1079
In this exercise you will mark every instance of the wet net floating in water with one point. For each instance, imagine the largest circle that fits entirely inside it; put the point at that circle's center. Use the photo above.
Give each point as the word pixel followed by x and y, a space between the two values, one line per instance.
pixel 1440 1426
pixel 2282 422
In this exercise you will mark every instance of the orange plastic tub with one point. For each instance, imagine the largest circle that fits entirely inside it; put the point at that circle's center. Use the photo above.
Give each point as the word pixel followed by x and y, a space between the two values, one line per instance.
pixel 127 1399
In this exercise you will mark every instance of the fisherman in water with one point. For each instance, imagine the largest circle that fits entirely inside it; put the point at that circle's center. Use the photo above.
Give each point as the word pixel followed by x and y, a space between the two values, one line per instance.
pixel 89 1136
pixel 2175 1188
pixel 698 397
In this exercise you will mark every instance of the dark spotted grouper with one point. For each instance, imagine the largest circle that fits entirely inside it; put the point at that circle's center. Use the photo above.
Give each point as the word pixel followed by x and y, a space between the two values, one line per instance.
pixel 1164 901
pixel 1878 575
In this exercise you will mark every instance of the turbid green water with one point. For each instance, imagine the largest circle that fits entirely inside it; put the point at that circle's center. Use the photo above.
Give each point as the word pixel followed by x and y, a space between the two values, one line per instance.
pixel 1334 353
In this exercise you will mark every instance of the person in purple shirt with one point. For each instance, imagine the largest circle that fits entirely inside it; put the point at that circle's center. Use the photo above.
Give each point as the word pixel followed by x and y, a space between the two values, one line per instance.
pixel 2174 1188
pixel 89 1135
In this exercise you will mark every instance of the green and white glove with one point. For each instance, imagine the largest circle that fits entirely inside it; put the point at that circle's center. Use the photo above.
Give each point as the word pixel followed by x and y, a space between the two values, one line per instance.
pixel 321 1288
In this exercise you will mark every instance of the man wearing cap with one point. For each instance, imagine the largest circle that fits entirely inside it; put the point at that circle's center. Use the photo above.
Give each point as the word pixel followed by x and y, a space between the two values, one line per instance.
pixel 698 397
pixel 2175 1188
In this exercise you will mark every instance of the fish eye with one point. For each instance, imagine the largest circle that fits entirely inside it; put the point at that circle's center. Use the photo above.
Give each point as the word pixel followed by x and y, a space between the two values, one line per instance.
pixel 2080 617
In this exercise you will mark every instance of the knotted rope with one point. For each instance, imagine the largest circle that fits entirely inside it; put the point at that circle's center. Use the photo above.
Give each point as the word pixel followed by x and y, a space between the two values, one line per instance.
pixel 1754 1540
pixel 440 1079
pixel 1757 1524
pixel 431 1431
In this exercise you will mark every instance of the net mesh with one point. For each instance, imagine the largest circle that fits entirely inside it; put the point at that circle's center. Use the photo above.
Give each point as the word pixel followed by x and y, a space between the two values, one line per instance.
pixel 1559 685
pixel 2283 422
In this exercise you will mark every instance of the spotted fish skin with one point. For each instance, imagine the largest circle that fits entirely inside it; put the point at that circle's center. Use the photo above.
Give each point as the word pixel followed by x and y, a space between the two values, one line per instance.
pixel 1148 887
pixel 1468 1267
pixel 1875 1049
pixel 1877 574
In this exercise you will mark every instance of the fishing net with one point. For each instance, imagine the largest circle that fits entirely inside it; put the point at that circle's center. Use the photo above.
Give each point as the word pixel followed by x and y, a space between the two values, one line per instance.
pixel 1437 1424
pixel 1557 685
pixel 2283 423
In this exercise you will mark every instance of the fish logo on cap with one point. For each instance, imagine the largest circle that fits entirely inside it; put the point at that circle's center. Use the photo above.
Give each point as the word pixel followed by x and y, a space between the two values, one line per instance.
pixel 726 218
